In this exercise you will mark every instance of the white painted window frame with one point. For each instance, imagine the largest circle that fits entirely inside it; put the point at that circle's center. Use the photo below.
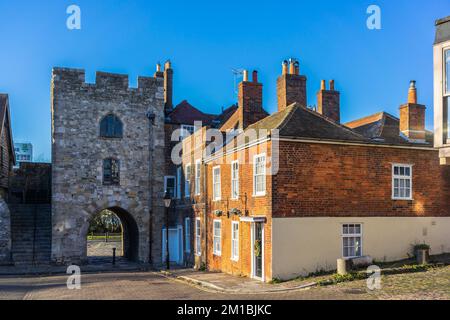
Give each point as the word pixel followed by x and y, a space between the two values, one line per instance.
pixel 198 175
pixel 446 72
pixel 217 181
pixel 235 241
pixel 187 180
pixel 198 237
pixel 255 192
pixel 217 251
pixel 186 131
pixel 235 183
pixel 178 188
pixel 187 235
pixel 352 235
pixel 410 178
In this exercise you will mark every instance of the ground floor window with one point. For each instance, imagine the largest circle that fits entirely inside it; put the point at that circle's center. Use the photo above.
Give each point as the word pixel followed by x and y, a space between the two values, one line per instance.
pixel 198 239
pixel 187 234
pixel 352 240
pixel 217 241
pixel 235 241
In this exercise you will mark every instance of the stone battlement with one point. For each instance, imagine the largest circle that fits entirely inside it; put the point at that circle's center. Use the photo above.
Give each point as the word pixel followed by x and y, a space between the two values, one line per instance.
pixel 104 80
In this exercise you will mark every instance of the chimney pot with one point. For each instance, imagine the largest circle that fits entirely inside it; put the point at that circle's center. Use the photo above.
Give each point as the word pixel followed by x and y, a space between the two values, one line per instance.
pixel 332 85
pixel 412 93
pixel 245 75
pixel 297 68
pixel 168 65
pixel 158 67
pixel 284 67
pixel 291 66
pixel 323 85
pixel 255 76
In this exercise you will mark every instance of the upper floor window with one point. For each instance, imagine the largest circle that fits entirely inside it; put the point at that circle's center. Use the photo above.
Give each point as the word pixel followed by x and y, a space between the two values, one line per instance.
pixel 447 71
pixel 111 127
pixel 187 181
pixel 259 175
pixel 111 171
pixel 235 180
pixel 198 167
pixel 217 192
pixel 186 131
pixel 169 186
pixel 401 182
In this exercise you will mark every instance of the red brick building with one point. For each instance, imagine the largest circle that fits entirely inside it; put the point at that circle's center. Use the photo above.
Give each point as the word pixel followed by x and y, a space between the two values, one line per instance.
pixel 302 189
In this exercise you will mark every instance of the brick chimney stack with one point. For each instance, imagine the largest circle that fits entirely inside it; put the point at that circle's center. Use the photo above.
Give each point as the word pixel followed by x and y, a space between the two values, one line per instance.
pixel 168 87
pixel 250 101
pixel 412 117
pixel 291 86
pixel 328 102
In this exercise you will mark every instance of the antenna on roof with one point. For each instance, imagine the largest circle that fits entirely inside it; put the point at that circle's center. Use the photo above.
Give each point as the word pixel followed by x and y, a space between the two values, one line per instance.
pixel 237 73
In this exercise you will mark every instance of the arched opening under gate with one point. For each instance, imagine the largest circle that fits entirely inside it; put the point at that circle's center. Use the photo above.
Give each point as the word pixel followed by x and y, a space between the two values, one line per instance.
pixel 112 228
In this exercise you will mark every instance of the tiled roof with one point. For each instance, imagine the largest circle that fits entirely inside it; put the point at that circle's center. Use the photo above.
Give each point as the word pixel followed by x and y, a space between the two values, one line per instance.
pixel 299 122
pixel 382 127
pixel 185 113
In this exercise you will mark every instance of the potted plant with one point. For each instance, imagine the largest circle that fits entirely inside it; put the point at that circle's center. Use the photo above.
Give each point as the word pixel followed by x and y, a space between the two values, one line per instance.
pixel 236 212
pixel 218 213
pixel 422 253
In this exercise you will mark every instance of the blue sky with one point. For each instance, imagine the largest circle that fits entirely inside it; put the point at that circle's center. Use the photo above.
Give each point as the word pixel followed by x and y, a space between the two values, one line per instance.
pixel 206 39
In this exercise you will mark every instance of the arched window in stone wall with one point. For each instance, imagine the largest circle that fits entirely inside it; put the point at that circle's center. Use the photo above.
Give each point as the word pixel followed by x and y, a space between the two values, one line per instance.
pixel 111 171
pixel 111 127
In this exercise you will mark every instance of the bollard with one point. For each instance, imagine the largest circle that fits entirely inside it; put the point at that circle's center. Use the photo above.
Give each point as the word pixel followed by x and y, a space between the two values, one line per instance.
pixel 114 257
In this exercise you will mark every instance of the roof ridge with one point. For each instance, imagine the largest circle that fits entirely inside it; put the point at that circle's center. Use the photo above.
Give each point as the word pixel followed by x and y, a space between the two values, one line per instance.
pixel 339 125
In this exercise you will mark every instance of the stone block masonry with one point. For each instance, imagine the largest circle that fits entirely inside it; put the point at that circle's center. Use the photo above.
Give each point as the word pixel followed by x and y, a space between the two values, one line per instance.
pixel 78 151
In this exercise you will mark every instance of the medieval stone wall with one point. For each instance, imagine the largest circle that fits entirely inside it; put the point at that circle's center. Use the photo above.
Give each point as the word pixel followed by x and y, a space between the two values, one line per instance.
pixel 5 233
pixel 78 152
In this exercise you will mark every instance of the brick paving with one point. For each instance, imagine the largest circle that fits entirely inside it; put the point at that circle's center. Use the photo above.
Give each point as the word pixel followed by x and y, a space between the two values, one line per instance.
pixel 434 284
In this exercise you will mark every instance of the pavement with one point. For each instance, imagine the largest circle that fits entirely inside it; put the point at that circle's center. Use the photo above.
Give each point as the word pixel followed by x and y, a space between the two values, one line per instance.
pixel 221 282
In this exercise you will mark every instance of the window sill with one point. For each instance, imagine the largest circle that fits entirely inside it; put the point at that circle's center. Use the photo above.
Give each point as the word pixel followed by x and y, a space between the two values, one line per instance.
pixel 259 195
pixel 402 199
pixel 217 254
pixel 234 260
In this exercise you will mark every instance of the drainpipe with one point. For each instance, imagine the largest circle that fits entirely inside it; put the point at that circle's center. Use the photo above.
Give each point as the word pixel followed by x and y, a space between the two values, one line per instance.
pixel 151 122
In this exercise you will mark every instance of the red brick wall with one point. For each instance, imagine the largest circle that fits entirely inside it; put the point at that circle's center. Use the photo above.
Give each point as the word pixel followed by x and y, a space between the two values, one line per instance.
pixel 342 180
pixel 255 206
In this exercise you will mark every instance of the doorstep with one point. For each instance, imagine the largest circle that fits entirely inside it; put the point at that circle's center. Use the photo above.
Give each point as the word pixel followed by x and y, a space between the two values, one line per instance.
pixel 226 283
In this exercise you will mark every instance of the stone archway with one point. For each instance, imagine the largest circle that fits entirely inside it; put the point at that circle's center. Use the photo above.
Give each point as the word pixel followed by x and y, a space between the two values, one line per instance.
pixel 128 244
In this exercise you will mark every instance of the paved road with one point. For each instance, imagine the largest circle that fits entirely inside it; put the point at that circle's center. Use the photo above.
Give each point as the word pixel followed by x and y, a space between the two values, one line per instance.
pixel 434 284
pixel 129 286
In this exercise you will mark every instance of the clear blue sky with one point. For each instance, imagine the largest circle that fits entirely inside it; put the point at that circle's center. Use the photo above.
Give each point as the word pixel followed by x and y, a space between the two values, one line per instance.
pixel 206 39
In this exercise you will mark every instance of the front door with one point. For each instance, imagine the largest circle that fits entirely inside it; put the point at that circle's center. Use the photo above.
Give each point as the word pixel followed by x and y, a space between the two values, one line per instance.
pixel 258 250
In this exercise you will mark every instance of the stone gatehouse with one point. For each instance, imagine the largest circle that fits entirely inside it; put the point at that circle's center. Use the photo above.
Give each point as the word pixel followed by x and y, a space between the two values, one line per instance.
pixel 107 146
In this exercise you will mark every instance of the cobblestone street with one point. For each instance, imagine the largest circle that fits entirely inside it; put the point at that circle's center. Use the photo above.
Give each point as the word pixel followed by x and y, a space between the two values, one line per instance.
pixel 434 284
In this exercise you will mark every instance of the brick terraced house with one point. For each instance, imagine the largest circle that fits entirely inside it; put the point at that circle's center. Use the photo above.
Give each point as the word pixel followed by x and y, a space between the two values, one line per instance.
pixel 312 190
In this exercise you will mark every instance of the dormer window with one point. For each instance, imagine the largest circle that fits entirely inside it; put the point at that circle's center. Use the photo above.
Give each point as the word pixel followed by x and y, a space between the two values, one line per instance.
pixel 111 127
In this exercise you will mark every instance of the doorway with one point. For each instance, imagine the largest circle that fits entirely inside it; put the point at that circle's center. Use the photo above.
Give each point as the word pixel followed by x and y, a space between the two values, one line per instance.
pixel 258 250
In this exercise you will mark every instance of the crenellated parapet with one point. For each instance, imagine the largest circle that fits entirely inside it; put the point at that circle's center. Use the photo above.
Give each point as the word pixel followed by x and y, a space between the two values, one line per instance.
pixel 73 78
